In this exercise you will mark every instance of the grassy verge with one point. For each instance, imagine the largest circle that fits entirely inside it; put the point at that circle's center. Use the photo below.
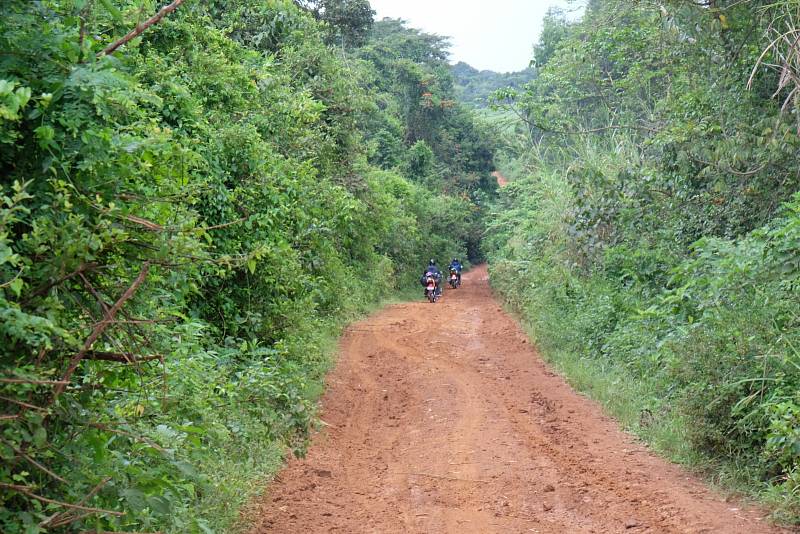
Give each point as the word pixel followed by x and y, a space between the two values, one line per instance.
pixel 630 400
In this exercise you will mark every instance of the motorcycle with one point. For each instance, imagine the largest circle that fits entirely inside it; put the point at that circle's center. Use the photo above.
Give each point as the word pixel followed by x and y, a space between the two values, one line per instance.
pixel 431 292
pixel 455 279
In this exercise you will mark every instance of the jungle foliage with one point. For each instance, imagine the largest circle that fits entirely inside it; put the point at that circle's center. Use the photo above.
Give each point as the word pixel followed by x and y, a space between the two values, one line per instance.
pixel 474 87
pixel 185 224
pixel 651 233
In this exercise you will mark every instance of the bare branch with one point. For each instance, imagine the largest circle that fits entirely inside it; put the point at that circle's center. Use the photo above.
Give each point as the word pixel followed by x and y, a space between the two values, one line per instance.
pixel 150 225
pixel 33 462
pixel 140 28
pixel 23 404
pixel 56 520
pixel 26 490
pixel 44 289
pixel 99 329
pixel 120 357
pixel 30 381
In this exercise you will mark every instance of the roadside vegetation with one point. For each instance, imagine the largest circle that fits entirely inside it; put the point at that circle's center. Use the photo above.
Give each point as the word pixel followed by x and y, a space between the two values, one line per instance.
pixel 187 220
pixel 650 235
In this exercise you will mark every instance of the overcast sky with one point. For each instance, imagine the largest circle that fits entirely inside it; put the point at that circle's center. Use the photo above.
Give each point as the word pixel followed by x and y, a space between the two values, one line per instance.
pixel 488 34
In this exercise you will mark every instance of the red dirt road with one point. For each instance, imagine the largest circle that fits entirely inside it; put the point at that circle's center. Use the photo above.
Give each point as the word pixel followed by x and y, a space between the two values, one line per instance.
pixel 442 419
pixel 502 181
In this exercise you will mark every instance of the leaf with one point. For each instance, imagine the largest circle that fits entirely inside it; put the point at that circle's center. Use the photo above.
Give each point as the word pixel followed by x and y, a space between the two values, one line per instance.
pixel 45 135
pixel 186 468
pixel 40 437
pixel 135 499
pixel 6 452
pixel 112 10
pixel 159 505
pixel 16 286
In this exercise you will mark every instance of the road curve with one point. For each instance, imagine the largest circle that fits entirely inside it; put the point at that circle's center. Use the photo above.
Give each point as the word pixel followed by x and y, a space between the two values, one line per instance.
pixel 502 181
pixel 441 418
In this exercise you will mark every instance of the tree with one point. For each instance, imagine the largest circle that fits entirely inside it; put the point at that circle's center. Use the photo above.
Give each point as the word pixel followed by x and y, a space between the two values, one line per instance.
pixel 555 30
pixel 349 21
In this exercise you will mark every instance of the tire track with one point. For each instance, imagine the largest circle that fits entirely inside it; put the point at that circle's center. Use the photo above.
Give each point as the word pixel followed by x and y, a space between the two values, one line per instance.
pixel 442 419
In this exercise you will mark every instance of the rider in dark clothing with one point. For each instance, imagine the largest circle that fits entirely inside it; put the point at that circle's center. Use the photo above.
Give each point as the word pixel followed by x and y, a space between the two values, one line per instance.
pixel 434 271
pixel 456 266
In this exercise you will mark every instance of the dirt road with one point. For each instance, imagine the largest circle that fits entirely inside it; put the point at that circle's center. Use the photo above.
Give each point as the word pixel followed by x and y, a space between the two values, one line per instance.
pixel 442 419
pixel 502 181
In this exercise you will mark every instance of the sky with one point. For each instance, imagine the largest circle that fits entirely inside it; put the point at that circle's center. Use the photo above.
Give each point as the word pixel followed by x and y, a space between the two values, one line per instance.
pixel 488 34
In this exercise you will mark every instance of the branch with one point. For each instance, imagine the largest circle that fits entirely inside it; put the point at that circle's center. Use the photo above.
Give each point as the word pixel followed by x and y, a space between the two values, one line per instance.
pixel 33 462
pixel 730 169
pixel 225 225
pixel 121 357
pixel 94 293
pixel 26 490
pixel 150 225
pixel 140 28
pixel 60 519
pixel 64 519
pixel 6 284
pixel 44 289
pixel 99 329
pixel 24 404
pixel 26 381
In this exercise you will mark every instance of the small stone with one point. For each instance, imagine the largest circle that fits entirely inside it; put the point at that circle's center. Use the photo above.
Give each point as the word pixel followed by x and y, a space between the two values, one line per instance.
pixel 548 488
pixel 547 507
pixel 631 523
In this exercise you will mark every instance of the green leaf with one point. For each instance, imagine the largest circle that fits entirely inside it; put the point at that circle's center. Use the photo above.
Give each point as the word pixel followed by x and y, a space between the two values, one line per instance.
pixel 45 135
pixel 159 505
pixel 135 499
pixel 16 286
pixel 112 10
pixel 40 437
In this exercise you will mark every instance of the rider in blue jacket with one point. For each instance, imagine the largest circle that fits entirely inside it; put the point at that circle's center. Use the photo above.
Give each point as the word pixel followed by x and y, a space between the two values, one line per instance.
pixel 456 266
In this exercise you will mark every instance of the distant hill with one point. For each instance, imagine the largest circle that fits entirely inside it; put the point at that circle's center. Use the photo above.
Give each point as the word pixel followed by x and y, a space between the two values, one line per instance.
pixel 473 86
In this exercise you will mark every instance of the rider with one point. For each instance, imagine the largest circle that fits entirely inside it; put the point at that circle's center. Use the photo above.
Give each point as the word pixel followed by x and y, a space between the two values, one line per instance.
pixel 433 270
pixel 456 266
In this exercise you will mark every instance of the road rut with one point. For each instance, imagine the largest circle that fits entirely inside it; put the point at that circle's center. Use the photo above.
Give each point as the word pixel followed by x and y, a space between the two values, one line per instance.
pixel 441 418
